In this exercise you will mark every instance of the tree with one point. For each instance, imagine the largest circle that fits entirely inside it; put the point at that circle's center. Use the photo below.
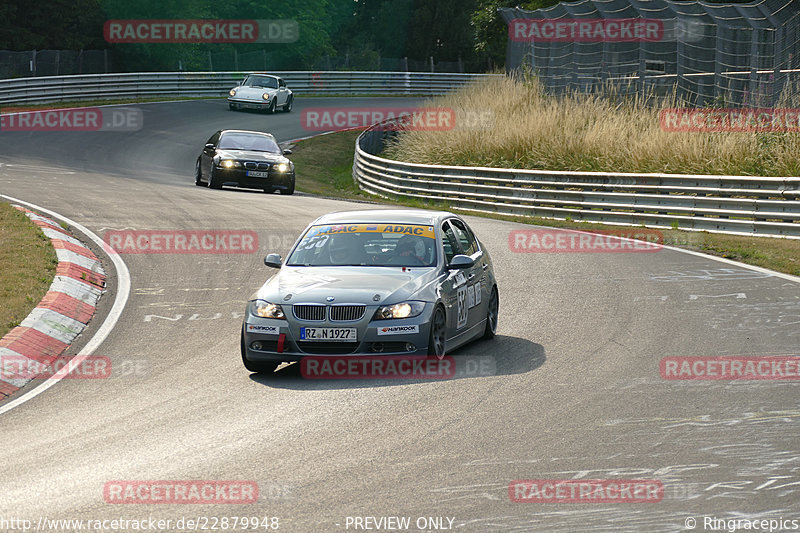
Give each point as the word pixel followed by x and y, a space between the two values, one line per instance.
pixel 490 30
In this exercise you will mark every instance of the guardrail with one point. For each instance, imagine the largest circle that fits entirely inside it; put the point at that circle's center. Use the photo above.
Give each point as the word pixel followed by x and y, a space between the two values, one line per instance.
pixel 745 205
pixel 192 84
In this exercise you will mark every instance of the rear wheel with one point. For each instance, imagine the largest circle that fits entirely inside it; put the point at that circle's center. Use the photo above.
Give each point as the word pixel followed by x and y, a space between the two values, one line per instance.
pixel 438 335
pixel 491 315
pixel 252 366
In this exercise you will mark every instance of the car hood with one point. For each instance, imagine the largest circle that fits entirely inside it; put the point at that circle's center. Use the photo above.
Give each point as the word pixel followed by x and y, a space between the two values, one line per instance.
pixel 253 93
pixel 367 285
pixel 269 157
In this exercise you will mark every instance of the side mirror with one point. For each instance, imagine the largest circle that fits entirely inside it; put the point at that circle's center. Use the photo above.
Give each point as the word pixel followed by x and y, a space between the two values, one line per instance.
pixel 460 262
pixel 209 148
pixel 287 152
pixel 273 260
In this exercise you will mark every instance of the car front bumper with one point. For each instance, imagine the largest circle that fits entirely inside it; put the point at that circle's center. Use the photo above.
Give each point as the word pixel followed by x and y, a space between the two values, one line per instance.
pixel 408 336
pixel 250 104
pixel 275 180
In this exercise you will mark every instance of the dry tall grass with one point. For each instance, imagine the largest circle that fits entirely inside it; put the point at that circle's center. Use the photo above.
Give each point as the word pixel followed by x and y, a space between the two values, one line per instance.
pixel 533 130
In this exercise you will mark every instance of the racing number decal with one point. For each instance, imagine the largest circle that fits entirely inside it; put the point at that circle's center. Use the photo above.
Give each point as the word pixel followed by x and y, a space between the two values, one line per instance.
pixel 463 309
pixel 317 241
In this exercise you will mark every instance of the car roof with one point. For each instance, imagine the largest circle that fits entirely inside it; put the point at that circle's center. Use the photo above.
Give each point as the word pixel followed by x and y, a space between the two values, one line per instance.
pixel 385 216
pixel 222 132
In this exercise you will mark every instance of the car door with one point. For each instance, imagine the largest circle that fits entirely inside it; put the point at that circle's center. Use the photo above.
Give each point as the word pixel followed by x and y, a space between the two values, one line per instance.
pixel 207 158
pixel 454 285
pixel 283 93
pixel 476 283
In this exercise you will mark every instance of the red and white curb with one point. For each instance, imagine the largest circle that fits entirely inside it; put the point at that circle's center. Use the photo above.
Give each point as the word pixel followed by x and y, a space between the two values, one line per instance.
pixel 65 310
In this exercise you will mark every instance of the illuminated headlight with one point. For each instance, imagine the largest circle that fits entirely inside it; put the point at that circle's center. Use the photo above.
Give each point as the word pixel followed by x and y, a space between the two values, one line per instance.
pixel 282 167
pixel 265 309
pixel 228 163
pixel 265 96
pixel 401 310
pixel 232 92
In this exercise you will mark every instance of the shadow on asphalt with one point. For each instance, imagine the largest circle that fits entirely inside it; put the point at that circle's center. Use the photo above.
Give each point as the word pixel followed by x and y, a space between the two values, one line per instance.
pixel 482 359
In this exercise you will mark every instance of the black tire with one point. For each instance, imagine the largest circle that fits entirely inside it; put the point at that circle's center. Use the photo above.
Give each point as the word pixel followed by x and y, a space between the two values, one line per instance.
pixel 273 106
pixel 437 339
pixel 252 366
pixel 287 107
pixel 197 180
pixel 289 191
pixel 212 183
pixel 492 315
pixel 231 106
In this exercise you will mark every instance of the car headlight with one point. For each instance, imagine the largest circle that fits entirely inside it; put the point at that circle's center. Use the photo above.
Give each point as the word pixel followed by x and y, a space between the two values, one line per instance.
pixel 282 167
pixel 265 96
pixel 401 310
pixel 232 92
pixel 228 163
pixel 265 309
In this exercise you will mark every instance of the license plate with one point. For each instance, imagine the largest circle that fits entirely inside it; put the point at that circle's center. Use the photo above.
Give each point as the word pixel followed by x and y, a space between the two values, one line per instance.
pixel 328 334
pixel 257 174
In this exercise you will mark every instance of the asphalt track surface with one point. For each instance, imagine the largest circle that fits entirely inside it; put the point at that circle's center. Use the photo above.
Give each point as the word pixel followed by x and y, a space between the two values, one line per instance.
pixel 576 394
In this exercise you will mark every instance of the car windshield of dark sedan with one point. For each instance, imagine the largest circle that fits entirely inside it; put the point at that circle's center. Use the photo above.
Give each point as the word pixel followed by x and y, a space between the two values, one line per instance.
pixel 261 81
pixel 245 141
pixel 383 244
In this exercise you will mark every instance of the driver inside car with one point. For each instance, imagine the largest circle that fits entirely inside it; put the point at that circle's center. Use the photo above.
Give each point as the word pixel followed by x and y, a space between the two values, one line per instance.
pixel 409 250
pixel 346 249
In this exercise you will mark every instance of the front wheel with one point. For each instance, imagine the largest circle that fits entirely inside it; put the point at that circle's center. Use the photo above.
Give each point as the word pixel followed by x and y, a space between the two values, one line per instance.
pixel 288 191
pixel 197 180
pixel 231 106
pixel 491 315
pixel 287 107
pixel 273 106
pixel 438 335
pixel 253 366
pixel 213 183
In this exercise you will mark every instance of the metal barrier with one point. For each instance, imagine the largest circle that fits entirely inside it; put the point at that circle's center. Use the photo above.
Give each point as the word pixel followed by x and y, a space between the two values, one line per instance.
pixel 193 84
pixel 761 206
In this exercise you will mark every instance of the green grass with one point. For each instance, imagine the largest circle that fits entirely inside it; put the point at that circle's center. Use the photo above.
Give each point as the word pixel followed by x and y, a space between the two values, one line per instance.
pixel 27 266
pixel 324 167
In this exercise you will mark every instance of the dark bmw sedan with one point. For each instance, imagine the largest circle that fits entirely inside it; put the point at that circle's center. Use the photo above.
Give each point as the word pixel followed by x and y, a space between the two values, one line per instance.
pixel 248 159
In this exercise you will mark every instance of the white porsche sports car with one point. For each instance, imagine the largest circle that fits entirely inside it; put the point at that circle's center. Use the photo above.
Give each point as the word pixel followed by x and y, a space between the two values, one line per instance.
pixel 262 92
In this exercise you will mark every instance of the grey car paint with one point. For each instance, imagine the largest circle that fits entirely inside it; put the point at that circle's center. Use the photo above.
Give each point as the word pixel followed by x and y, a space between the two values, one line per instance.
pixel 463 293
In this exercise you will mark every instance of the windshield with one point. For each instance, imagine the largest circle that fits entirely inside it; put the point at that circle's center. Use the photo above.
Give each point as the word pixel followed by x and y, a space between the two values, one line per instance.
pixel 267 82
pixel 366 245
pixel 248 141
